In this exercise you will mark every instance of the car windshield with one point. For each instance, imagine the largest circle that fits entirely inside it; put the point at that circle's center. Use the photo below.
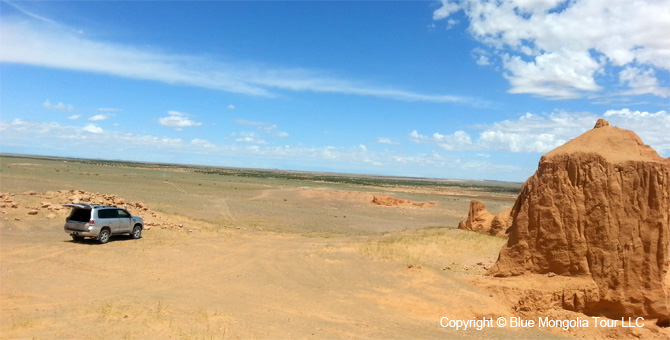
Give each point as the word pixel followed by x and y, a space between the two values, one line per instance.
pixel 80 215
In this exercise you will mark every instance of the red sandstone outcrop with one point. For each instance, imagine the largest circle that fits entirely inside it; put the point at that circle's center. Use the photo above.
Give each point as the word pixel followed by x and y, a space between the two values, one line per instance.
pixel 480 220
pixel 598 207
pixel 397 202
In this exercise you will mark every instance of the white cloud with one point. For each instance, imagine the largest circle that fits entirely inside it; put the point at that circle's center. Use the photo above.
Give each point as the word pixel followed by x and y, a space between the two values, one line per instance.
pixel 74 117
pixel 54 137
pixel 99 117
pixel 268 128
pixel 385 140
pixel 642 81
pixel 446 10
pixel 109 109
pixel 483 61
pixel 231 107
pixel 248 137
pixel 459 140
pixel 559 75
pixel 88 138
pixel 58 106
pixel 549 49
pixel 481 56
pixel 92 128
pixel 178 120
pixel 532 133
pixel 44 44
pixel 201 143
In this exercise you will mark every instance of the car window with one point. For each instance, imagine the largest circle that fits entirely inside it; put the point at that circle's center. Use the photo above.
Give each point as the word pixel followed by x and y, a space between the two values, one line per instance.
pixel 107 213
pixel 103 213
pixel 122 213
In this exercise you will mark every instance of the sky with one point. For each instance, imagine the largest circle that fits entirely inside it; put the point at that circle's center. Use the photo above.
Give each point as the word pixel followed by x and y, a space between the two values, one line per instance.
pixel 466 89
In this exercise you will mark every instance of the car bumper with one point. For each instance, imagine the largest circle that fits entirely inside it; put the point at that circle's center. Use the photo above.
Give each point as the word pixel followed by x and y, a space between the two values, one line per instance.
pixel 83 233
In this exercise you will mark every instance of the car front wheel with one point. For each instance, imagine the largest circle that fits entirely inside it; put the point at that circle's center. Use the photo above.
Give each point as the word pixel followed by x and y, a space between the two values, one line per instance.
pixel 104 236
pixel 137 232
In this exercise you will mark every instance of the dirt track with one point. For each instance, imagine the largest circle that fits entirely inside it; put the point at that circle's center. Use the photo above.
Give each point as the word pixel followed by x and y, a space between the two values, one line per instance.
pixel 221 285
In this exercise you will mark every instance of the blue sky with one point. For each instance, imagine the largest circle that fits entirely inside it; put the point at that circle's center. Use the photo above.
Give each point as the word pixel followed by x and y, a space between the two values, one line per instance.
pixel 464 89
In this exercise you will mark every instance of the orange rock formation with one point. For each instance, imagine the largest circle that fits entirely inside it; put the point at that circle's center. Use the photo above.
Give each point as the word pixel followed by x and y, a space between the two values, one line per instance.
pixel 598 207
pixel 480 220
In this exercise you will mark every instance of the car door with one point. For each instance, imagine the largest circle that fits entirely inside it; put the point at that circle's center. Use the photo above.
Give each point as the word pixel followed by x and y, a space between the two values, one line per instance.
pixel 124 221
pixel 108 218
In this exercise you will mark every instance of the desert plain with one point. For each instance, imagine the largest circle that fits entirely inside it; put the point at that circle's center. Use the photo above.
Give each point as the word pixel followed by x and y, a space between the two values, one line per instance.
pixel 240 254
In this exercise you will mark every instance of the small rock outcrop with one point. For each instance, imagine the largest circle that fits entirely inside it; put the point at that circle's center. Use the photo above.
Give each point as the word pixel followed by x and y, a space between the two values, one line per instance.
pixel 598 207
pixel 396 202
pixel 480 220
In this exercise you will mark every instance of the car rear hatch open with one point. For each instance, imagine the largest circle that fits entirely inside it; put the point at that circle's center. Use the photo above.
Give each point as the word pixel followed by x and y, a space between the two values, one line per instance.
pixel 79 217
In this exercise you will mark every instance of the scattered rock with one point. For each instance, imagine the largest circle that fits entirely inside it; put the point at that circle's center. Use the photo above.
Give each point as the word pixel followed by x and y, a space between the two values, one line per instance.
pixel 32 212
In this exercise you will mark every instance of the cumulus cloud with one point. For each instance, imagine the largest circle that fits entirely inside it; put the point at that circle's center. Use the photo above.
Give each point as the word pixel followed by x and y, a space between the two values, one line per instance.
pixel 92 128
pixel 540 133
pixel 248 137
pixel 547 48
pixel 641 81
pixel 99 117
pixel 58 106
pixel 458 140
pixel 177 119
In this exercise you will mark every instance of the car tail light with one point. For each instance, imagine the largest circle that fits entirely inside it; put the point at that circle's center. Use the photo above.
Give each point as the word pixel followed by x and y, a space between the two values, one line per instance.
pixel 91 222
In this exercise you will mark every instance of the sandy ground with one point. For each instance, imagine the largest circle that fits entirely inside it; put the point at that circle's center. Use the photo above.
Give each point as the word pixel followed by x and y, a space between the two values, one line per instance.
pixel 252 259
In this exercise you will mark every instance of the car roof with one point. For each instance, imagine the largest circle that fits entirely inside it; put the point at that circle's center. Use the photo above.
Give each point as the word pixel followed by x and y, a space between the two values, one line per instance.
pixel 89 206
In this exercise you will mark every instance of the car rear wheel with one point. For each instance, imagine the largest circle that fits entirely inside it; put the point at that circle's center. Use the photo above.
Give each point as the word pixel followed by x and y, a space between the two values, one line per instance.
pixel 77 238
pixel 137 232
pixel 104 236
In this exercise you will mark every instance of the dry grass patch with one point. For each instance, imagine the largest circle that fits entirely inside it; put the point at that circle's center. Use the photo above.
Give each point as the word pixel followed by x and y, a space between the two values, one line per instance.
pixel 437 248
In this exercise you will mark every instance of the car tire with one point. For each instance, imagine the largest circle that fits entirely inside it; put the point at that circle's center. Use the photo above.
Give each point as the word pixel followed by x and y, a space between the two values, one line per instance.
pixel 137 232
pixel 76 238
pixel 104 236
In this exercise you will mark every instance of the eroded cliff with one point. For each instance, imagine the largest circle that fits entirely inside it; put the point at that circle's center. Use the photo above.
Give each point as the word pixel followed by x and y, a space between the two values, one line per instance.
pixel 599 207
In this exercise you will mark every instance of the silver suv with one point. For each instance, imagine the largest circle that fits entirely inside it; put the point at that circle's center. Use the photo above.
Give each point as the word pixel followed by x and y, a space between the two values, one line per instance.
pixel 101 222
